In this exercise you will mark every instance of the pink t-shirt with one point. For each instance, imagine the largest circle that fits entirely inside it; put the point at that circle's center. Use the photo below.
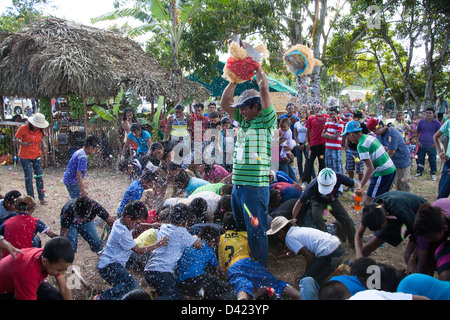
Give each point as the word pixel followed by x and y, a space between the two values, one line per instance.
pixel 218 173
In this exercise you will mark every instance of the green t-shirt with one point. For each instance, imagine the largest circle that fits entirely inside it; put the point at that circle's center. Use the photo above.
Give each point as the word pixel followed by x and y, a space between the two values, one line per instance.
pixel 214 187
pixel 445 129
pixel 371 148
pixel 252 152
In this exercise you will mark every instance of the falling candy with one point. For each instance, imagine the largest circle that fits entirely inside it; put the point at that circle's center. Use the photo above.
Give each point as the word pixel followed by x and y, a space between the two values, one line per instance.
pixel 403 231
pixel 254 220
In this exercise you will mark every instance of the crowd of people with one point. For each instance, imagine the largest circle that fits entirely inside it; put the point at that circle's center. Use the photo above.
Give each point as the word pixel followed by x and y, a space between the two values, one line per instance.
pixel 205 202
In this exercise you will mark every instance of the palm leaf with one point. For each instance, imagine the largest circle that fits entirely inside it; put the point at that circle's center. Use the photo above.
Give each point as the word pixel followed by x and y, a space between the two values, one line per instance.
pixel 124 13
pixel 102 112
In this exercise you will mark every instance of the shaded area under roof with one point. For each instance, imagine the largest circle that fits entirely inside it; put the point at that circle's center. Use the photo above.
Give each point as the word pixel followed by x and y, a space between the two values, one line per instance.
pixel 217 85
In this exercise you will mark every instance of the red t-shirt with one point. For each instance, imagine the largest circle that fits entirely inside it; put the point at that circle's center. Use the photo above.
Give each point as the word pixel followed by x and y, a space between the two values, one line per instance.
pixel 23 275
pixel 331 127
pixel 315 123
pixel 26 135
pixel 21 229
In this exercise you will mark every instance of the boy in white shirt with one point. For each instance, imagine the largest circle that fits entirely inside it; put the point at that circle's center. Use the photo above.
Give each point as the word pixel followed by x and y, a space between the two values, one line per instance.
pixel 112 264
pixel 160 268
pixel 323 252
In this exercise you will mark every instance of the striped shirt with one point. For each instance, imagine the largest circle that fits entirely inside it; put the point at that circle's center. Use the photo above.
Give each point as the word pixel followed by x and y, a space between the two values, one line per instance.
pixel 371 148
pixel 332 127
pixel 252 152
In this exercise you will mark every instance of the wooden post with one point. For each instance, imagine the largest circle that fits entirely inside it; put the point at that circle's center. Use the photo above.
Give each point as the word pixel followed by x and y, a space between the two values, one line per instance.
pixel 85 117
pixel 2 109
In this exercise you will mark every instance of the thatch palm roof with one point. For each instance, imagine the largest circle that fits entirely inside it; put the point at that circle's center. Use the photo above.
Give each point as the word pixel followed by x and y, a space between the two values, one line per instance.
pixel 54 57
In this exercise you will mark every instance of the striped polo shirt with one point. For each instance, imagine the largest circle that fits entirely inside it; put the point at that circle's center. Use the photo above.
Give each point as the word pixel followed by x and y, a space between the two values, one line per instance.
pixel 371 148
pixel 331 127
pixel 252 152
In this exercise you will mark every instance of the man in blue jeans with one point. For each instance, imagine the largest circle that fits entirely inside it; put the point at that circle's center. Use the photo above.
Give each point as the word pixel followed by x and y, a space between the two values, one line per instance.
pixel 77 217
pixel 426 128
pixel 252 160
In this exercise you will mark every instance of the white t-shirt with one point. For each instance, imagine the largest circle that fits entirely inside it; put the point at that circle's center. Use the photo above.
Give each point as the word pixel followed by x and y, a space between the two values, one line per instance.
pixel 211 198
pixel 301 131
pixel 319 242
pixel 165 258
pixel 373 294
pixel 119 245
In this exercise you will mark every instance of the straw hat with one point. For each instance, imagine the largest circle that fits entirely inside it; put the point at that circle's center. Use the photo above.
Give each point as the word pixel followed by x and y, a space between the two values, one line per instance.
pixel 277 224
pixel 38 120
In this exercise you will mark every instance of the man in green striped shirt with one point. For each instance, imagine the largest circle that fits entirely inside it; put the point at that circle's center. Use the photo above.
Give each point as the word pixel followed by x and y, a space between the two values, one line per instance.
pixel 252 158
pixel 380 169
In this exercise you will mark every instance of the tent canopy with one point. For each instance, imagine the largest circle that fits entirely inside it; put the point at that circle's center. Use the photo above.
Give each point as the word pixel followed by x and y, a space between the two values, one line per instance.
pixel 217 85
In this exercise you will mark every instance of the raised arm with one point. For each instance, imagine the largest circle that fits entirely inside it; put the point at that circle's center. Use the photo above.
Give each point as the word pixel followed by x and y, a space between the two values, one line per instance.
pixel 228 98
pixel 263 84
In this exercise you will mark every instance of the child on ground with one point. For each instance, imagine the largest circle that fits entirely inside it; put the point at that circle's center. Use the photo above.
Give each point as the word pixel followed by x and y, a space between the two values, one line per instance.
pixel 112 263
pixel 323 252
pixel 74 176
pixel 193 276
pixel 22 277
pixel 7 209
pixel 21 229
pixel 77 217
pixel 160 268
pixel 137 188
pixel 245 275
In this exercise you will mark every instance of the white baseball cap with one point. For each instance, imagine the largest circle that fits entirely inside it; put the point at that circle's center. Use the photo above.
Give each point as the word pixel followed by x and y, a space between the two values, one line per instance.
pixel 326 181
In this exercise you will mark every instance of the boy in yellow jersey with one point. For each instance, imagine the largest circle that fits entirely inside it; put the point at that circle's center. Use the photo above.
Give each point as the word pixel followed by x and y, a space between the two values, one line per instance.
pixel 245 275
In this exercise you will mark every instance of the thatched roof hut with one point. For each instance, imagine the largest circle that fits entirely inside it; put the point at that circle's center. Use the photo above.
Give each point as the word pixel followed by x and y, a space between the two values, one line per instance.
pixel 54 57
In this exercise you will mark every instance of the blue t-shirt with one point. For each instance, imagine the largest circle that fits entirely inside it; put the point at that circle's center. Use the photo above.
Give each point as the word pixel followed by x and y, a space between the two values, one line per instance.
pixel 193 262
pixel 281 176
pixel 119 245
pixel 141 141
pixel 195 183
pixel 425 285
pixel 133 192
pixel 78 162
pixel 352 283
pixel 393 140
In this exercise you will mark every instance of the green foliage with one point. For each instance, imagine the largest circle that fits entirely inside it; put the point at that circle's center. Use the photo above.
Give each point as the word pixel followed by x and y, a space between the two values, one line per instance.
pixel 45 107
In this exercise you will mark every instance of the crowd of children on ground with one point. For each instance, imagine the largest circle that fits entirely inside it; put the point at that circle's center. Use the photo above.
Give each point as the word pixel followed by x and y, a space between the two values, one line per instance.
pixel 204 239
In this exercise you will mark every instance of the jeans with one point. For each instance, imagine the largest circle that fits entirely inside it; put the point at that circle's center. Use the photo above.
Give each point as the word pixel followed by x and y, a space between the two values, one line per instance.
pixel 338 212
pixel 431 152
pixel 444 182
pixel 287 168
pixel 299 154
pixel 321 268
pixel 29 166
pixel 257 201
pixel 316 152
pixel 308 288
pixel 89 233
pixel 165 285
pixel 118 276
pixel 74 190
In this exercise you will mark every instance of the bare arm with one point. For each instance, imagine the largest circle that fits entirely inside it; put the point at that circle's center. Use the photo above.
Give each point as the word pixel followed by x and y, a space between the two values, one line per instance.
pixel 64 289
pixel 263 84
pixel 228 98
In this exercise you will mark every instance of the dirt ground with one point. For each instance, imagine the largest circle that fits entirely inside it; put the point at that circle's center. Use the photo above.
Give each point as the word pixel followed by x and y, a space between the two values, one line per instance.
pixel 107 186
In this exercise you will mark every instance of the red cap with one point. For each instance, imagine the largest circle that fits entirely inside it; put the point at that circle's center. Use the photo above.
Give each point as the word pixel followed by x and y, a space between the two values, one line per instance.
pixel 372 124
